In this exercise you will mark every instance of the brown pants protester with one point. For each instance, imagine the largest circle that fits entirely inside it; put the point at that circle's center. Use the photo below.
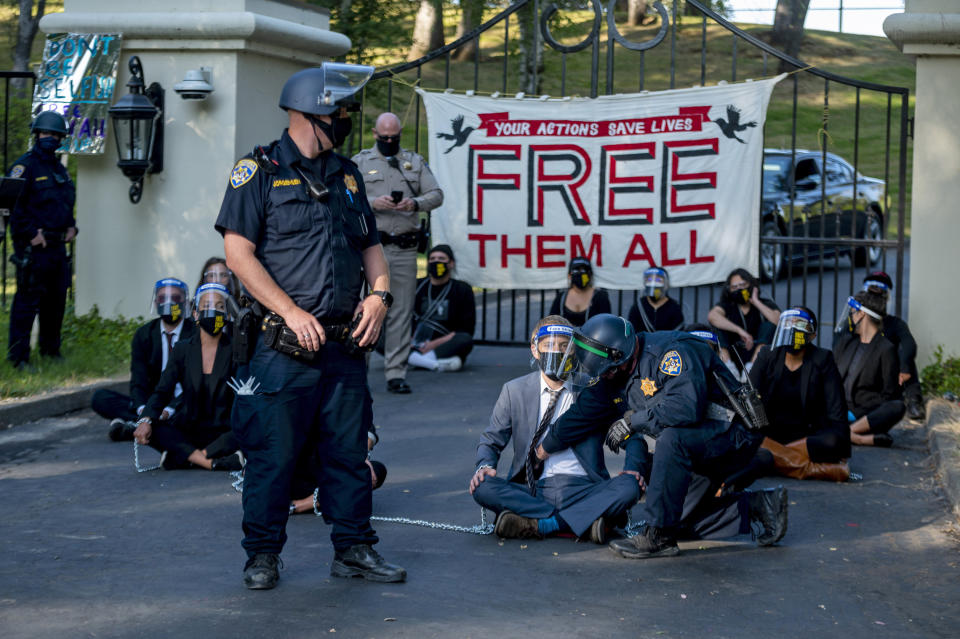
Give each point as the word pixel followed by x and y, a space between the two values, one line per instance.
pixel 793 460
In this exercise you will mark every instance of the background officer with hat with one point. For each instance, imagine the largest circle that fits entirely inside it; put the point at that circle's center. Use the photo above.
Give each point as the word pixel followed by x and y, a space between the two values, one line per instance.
pixel 42 223
pixel 299 234
pixel 399 185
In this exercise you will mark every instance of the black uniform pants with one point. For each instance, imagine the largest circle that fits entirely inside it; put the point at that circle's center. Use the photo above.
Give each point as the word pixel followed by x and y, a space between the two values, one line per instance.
pixel 112 405
pixel 41 289
pixel 327 403
pixel 713 449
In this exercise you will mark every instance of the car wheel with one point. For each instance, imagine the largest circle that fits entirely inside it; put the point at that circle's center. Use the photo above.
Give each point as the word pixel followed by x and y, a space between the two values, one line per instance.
pixel 872 230
pixel 771 255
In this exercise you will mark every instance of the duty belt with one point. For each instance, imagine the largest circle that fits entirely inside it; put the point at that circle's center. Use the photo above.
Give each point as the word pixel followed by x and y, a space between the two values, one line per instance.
pixel 403 240
pixel 718 412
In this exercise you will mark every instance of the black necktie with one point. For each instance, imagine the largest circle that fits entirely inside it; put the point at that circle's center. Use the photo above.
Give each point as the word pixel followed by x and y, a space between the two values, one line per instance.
pixel 169 335
pixel 534 466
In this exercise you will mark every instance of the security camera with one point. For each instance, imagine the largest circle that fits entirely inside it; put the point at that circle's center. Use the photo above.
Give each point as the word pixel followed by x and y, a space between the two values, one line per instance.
pixel 196 84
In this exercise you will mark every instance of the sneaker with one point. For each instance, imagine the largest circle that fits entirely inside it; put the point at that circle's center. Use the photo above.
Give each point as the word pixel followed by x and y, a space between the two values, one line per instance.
pixel 229 463
pixel 653 542
pixel 362 560
pixel 262 571
pixel 768 515
pixel 121 430
pixel 449 364
pixel 510 525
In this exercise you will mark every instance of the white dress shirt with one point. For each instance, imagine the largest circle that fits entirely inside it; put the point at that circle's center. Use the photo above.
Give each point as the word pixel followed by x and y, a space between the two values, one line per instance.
pixel 165 357
pixel 563 462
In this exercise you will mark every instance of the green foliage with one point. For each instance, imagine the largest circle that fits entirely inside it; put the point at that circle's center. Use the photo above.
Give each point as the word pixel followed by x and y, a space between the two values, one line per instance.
pixel 93 347
pixel 942 376
pixel 371 25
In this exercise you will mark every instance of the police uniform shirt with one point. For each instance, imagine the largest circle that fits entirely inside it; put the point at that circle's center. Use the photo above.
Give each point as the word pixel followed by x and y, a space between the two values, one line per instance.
pixel 47 199
pixel 312 250
pixel 382 179
pixel 564 462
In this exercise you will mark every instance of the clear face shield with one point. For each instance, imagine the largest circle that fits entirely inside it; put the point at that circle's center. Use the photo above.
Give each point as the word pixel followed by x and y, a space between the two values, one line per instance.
pixel 550 344
pixel 794 330
pixel 341 82
pixel 588 359
pixel 655 283
pixel 214 308
pixel 880 288
pixel 170 299
pixel 845 321
pixel 218 273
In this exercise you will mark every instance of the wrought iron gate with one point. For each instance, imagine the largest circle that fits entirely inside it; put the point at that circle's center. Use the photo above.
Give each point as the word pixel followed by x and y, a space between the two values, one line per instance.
pixel 806 262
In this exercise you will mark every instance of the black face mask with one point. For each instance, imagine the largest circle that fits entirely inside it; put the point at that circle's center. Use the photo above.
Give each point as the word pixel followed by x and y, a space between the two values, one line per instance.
pixel 580 279
pixel 438 269
pixel 337 132
pixel 388 148
pixel 170 312
pixel 212 322
pixel 737 297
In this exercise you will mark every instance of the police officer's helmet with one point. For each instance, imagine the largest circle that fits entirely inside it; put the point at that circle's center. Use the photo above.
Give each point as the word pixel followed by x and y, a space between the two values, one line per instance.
pixel 49 122
pixel 325 89
pixel 604 342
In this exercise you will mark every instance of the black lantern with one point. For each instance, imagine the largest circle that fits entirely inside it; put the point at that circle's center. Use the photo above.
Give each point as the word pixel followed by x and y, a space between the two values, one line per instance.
pixel 138 129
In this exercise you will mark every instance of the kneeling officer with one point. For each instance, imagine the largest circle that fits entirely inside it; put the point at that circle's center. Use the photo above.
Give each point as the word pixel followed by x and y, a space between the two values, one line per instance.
pixel 300 235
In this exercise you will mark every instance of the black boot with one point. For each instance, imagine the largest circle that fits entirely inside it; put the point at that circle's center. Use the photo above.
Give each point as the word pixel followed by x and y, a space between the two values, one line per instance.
pixel 915 409
pixel 653 542
pixel 363 561
pixel 261 571
pixel 768 509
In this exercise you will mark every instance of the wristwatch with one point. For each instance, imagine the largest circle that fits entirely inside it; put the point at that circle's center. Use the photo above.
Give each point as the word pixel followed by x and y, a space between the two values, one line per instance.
pixel 385 296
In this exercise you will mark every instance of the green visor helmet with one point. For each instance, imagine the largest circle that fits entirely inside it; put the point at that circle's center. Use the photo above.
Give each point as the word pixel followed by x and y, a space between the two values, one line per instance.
pixel 325 89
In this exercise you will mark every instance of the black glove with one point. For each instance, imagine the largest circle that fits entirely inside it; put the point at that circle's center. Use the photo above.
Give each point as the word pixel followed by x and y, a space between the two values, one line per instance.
pixel 619 432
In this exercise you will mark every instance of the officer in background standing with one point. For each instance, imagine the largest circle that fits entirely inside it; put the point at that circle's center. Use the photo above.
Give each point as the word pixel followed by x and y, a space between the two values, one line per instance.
pixel 299 234
pixel 399 186
pixel 42 223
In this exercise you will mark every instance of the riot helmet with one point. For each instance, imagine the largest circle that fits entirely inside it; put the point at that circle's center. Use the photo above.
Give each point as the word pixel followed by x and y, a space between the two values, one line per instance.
pixel 602 344
pixel 656 283
pixel 170 299
pixel 796 329
pixel 325 89
pixel 49 122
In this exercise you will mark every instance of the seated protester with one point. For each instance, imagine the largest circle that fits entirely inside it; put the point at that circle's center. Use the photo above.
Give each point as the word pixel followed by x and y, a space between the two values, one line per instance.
pixel 570 492
pixel 444 315
pixel 581 300
pixel 802 393
pixel 150 352
pixel 869 367
pixel 745 320
pixel 215 271
pixel 199 434
pixel 656 311
pixel 897 331
pixel 304 482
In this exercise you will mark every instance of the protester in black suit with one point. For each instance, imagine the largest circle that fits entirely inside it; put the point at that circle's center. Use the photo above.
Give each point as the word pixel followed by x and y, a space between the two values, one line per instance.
pixel 869 365
pixel 199 434
pixel 149 354
pixel 808 436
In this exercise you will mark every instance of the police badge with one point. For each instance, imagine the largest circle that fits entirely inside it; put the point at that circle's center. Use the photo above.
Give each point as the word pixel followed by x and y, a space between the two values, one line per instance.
pixel 350 182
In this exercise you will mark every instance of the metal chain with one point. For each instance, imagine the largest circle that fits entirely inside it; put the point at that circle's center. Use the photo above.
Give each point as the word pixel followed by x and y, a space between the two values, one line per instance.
pixel 136 460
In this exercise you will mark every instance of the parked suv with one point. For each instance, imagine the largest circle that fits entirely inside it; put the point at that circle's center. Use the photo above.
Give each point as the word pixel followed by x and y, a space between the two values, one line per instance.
pixel 827 203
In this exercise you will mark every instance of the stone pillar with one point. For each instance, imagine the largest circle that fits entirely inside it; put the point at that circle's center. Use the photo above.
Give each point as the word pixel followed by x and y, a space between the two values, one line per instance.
pixel 930 30
pixel 253 46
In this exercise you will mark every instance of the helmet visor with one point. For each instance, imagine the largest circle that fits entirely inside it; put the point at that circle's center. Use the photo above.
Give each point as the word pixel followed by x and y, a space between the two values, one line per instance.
pixel 845 321
pixel 551 344
pixel 655 283
pixel 341 82
pixel 588 359
pixel 794 330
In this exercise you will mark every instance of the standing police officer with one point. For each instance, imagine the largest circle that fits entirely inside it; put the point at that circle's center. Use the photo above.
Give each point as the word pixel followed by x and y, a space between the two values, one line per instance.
pixel 42 223
pixel 299 234
pixel 399 185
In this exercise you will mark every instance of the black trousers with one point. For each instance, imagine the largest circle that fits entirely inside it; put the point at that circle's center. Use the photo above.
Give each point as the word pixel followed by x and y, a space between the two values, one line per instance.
pixel 883 417
pixel 460 345
pixel 41 290
pixel 824 446
pixel 179 438
pixel 113 405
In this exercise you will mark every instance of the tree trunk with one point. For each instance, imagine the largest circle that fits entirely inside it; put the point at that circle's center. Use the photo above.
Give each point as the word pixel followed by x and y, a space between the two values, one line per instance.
pixel 636 10
pixel 470 18
pixel 531 51
pixel 27 24
pixel 787 33
pixel 428 30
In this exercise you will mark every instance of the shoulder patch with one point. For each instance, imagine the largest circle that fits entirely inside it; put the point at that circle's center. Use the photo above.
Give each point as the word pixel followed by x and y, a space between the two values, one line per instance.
pixel 671 364
pixel 17 170
pixel 243 172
